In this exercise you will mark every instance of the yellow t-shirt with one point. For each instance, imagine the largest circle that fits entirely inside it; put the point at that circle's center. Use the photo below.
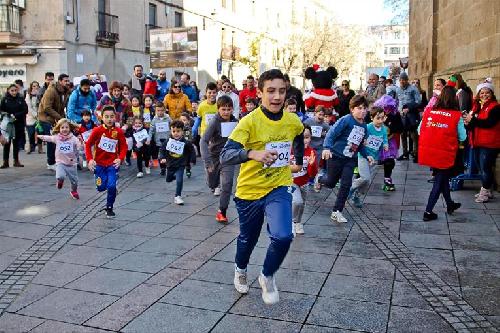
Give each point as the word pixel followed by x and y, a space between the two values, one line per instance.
pixel 255 131
pixel 206 112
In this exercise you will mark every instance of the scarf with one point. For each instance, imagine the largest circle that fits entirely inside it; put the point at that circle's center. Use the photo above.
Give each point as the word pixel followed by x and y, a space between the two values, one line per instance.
pixel 136 84
pixel 64 137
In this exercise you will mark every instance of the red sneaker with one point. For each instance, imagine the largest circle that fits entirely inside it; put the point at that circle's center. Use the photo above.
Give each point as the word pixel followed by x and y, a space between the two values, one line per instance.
pixel 59 183
pixel 74 195
pixel 219 217
pixel 155 164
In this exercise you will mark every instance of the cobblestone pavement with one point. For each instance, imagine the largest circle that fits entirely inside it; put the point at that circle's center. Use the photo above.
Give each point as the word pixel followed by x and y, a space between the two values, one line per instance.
pixel 159 267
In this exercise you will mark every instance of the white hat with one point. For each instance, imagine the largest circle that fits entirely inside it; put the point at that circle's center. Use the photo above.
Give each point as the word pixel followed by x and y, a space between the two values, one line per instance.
pixel 488 83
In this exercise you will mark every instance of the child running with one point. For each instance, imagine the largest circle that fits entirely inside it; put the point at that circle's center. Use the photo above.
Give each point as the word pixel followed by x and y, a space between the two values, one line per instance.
pixel 67 146
pixel 211 144
pixel 375 143
pixel 105 151
pixel 176 154
pixel 341 145
pixel 300 180
pixel 188 136
pixel 262 142
pixel 319 128
pixel 159 131
pixel 141 146
pixel 250 104
pixel 86 126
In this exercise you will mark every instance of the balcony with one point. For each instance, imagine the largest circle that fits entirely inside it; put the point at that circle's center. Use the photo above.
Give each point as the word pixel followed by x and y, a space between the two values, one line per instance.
pixel 108 33
pixel 147 42
pixel 10 25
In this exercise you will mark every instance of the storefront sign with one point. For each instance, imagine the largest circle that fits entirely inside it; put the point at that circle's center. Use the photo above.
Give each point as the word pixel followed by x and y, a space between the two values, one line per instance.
pixel 10 73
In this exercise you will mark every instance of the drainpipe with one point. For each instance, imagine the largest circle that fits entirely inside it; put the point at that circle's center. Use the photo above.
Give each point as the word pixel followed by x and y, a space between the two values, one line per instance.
pixel 77 18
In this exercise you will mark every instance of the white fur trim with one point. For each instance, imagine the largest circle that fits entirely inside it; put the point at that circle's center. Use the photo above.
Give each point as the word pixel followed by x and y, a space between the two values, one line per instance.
pixel 323 97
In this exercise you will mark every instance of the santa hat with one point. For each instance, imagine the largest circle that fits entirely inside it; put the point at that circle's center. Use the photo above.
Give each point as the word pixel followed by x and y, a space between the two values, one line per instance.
pixel 488 83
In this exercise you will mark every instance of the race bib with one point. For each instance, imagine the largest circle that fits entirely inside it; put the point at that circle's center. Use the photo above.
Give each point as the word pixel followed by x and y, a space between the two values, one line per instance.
pixel 227 128
pixel 209 117
pixel 316 131
pixel 107 144
pixel 283 149
pixel 374 142
pixel 176 147
pixel 141 135
pixel 130 143
pixel 86 135
pixel 65 147
pixel 162 127
pixel 310 114
pixel 303 171
pixel 357 134
pixel 146 117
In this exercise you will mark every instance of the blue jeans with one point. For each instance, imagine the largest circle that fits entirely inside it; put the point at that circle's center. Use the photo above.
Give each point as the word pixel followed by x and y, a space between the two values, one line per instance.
pixel 486 159
pixel 339 169
pixel 51 147
pixel 276 206
pixel 178 175
pixel 441 185
pixel 106 179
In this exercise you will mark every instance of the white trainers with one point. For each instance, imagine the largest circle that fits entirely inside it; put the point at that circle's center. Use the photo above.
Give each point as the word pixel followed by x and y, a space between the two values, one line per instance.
pixel 140 175
pixel 317 185
pixel 270 294
pixel 338 217
pixel 178 200
pixel 51 167
pixel 298 228
pixel 217 191
pixel 84 164
pixel 148 170
pixel 240 281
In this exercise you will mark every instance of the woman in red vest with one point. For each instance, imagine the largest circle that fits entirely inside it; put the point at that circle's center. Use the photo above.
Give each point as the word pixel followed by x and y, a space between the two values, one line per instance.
pixel 441 129
pixel 484 123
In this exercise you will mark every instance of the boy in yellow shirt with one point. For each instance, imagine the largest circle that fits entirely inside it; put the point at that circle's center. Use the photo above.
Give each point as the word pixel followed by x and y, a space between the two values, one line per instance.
pixel 262 142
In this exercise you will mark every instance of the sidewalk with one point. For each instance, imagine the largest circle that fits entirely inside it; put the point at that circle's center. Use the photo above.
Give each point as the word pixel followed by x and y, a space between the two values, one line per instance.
pixel 159 267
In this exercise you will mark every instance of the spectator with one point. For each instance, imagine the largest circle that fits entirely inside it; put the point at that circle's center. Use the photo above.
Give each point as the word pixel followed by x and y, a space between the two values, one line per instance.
pixel 187 89
pixel 14 105
pixel 375 89
pixel 249 91
pixel 438 86
pixel 295 93
pixel 126 91
pixel 49 77
pixel 345 94
pixel 81 99
pixel 163 85
pixel 423 94
pixel 227 91
pixel 464 94
pixel 20 87
pixel 198 92
pixel 50 110
pixel 176 101
pixel 137 82
pixel 32 116
pixel 390 88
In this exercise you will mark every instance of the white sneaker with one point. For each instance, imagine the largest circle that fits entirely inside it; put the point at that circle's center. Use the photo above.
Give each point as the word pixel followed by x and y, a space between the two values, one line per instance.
pixel 270 294
pixel 84 164
pixel 51 167
pixel 178 200
pixel 298 228
pixel 338 217
pixel 317 185
pixel 148 170
pixel 140 175
pixel 217 191
pixel 240 281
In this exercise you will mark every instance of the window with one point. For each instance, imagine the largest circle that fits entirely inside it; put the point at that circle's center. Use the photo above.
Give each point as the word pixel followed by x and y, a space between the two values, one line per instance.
pixel 403 50
pixel 385 50
pixel 152 14
pixel 397 35
pixel 394 50
pixel 178 19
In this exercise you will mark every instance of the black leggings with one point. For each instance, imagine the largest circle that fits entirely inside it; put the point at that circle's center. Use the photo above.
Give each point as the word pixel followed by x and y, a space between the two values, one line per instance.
pixel 388 167
pixel 142 156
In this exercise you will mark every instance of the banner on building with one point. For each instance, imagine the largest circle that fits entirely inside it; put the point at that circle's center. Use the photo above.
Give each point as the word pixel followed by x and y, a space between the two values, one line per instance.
pixel 173 47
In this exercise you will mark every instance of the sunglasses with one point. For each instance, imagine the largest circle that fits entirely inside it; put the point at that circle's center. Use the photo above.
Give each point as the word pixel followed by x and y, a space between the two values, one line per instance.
pixel 345 85
pixel 177 87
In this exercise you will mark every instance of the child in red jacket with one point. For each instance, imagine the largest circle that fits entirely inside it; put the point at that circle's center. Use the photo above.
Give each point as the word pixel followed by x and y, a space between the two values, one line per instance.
pixel 300 181
pixel 105 150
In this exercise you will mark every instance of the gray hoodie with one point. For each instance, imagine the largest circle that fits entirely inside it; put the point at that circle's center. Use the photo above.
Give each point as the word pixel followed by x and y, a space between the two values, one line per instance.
pixel 159 129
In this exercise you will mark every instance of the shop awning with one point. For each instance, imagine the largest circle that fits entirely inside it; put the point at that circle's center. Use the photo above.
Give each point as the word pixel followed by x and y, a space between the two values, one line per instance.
pixel 18 60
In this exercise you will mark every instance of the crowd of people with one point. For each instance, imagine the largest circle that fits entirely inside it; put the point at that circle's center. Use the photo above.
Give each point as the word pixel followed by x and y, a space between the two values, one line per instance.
pixel 283 146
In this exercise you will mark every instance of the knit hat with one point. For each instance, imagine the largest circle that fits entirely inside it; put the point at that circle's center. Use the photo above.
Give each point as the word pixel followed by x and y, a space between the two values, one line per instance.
pixel 452 81
pixel 488 83
pixel 403 76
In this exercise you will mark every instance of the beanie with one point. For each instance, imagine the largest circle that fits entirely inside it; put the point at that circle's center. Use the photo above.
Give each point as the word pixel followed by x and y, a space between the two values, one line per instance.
pixel 488 83
pixel 403 76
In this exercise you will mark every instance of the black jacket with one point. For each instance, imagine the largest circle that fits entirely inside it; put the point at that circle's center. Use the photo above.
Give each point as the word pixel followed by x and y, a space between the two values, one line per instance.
pixel 15 106
pixel 175 160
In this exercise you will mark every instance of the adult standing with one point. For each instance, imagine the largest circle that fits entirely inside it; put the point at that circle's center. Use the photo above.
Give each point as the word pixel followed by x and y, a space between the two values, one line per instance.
pixel 249 92
pixel 227 91
pixel 163 85
pixel 32 116
pixel 409 101
pixel 15 106
pixel 49 77
pixel 50 110
pixel 345 94
pixel 122 104
pixel 464 94
pixel 423 94
pixel 295 93
pixel 82 98
pixel 137 82
pixel 445 125
pixel 375 89
pixel 176 101
pixel 187 89
pixel 439 84
pixel 484 123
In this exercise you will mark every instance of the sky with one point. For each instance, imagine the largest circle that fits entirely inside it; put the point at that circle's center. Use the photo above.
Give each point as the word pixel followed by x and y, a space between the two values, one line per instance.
pixel 368 12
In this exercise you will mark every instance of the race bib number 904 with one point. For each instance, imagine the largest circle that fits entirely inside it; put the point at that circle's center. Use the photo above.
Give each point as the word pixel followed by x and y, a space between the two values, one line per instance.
pixel 283 149
pixel 107 144
pixel 174 146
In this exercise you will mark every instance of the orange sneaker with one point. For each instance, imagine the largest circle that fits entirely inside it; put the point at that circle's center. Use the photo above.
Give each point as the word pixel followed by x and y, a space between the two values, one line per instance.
pixel 221 218
pixel 155 163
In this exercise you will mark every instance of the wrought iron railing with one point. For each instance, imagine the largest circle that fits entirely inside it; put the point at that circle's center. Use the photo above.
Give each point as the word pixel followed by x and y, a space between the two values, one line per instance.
pixel 108 28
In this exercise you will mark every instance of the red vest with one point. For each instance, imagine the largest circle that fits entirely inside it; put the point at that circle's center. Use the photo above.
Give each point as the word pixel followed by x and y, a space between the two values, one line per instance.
pixel 438 142
pixel 486 137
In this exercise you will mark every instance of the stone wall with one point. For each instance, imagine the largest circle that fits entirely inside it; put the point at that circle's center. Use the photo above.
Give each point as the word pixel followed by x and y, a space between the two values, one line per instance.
pixel 454 36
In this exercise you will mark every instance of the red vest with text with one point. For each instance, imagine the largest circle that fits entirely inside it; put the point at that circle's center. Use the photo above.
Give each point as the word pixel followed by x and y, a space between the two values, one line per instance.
pixel 438 142
pixel 486 137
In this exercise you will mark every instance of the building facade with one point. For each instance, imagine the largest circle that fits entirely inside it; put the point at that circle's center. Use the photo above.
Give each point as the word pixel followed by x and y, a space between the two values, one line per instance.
pixel 457 36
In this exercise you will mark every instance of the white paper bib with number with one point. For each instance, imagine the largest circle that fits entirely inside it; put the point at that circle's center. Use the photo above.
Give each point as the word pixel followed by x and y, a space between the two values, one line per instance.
pixel 227 128
pixel 374 142
pixel 107 144
pixel 86 135
pixel 284 149
pixel 146 117
pixel 174 146
pixel 357 134
pixel 130 143
pixel 141 135
pixel 316 131
pixel 303 171
pixel 209 117
pixel 65 147
pixel 162 127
